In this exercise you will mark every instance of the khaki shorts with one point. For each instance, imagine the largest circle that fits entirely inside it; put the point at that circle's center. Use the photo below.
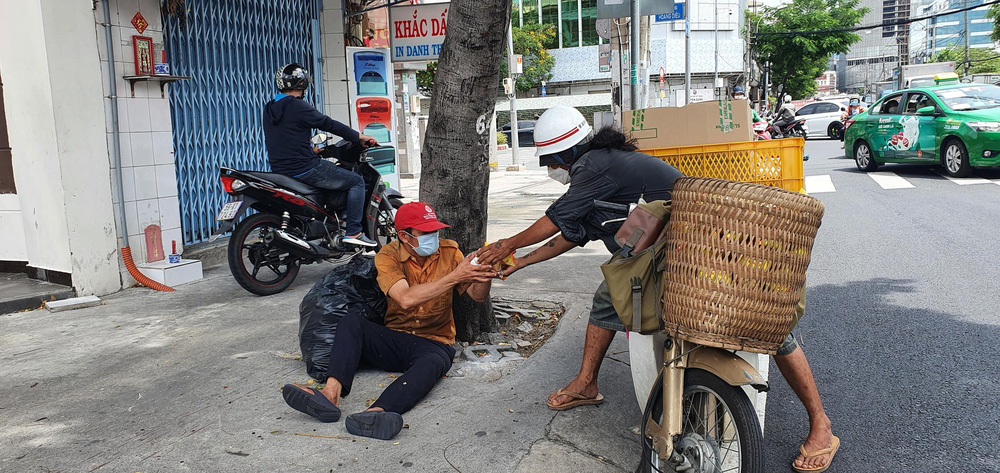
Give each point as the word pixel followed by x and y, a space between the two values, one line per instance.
pixel 602 314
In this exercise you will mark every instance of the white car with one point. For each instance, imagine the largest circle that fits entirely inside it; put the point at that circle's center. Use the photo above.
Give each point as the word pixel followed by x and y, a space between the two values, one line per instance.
pixel 821 117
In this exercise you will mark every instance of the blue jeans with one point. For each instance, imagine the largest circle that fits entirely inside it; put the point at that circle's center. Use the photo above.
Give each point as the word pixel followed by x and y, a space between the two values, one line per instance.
pixel 327 175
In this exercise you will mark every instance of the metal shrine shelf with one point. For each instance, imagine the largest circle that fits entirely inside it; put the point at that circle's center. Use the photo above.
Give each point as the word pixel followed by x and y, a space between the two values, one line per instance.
pixel 162 79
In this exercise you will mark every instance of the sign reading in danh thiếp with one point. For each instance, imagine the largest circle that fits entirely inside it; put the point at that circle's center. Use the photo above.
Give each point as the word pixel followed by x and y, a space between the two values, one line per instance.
pixel 416 32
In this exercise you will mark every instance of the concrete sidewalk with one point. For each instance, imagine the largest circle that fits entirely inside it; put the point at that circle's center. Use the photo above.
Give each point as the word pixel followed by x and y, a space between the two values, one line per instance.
pixel 190 381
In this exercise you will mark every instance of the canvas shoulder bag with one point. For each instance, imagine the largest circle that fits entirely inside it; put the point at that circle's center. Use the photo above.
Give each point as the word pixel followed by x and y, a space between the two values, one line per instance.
pixel 635 278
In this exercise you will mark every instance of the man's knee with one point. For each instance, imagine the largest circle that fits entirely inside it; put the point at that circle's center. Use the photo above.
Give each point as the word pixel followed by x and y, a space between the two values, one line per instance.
pixel 788 346
pixel 355 180
pixel 437 363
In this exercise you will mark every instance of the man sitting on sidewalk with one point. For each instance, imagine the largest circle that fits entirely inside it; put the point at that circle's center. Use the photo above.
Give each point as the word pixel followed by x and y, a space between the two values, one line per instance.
pixel 417 273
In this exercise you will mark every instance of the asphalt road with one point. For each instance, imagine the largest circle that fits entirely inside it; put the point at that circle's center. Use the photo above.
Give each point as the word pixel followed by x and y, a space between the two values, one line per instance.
pixel 902 327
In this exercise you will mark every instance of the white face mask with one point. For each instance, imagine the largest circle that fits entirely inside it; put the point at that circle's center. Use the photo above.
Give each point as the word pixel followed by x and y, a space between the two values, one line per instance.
pixel 559 174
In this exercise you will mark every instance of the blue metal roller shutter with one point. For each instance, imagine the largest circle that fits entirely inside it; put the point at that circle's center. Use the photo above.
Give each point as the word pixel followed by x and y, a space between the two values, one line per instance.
pixel 231 50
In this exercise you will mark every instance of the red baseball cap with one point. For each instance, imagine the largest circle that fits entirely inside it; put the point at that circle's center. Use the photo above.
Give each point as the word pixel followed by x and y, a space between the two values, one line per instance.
pixel 419 216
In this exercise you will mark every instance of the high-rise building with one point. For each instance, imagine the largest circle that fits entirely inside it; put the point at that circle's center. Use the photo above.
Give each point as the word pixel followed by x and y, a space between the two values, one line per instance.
pixel 875 57
pixel 579 72
pixel 931 36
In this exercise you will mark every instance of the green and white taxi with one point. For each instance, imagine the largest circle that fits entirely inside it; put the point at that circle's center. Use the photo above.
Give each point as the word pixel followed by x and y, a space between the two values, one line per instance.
pixel 955 125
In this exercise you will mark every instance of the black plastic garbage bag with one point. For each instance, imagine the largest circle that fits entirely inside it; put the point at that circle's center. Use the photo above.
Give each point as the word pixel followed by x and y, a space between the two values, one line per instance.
pixel 349 288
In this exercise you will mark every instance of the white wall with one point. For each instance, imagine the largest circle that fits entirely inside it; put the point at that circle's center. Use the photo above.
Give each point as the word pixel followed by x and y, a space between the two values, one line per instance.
pixel 55 122
pixel 335 62
pixel 147 153
pixel 14 248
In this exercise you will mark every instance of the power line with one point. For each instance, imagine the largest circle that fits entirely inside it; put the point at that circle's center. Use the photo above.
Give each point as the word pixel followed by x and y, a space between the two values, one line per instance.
pixel 880 25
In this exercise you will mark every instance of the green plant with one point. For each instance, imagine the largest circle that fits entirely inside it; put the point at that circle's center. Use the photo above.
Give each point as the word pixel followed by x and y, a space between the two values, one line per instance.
pixel 501 138
pixel 532 42
pixel 797 59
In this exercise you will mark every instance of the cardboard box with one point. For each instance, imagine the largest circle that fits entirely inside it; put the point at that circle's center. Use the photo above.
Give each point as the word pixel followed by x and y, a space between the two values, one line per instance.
pixel 715 121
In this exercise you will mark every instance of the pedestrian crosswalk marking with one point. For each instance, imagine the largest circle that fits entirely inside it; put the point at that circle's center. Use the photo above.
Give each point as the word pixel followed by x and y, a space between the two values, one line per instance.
pixel 967 181
pixel 823 183
pixel 819 184
pixel 889 180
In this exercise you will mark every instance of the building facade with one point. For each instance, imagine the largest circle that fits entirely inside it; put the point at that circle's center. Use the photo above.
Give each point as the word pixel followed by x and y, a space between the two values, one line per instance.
pixel 877 55
pixel 578 70
pixel 934 35
pixel 80 111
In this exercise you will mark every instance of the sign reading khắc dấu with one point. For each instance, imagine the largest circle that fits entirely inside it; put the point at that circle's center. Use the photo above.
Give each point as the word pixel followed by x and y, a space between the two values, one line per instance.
pixel 416 32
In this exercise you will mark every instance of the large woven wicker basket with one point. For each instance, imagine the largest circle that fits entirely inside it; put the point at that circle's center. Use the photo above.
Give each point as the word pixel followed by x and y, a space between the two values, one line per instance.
pixel 736 262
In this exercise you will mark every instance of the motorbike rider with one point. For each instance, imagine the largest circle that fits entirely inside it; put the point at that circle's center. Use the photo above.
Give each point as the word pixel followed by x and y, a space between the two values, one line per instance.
pixel 854 107
pixel 786 113
pixel 740 94
pixel 288 121
pixel 606 166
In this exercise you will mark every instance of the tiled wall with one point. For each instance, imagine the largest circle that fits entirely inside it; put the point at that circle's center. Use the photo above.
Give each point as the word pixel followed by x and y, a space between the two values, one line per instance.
pixel 335 62
pixel 148 172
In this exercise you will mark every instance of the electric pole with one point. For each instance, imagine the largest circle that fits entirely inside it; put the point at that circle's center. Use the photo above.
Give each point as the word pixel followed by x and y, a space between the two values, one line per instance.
pixel 514 129
pixel 634 54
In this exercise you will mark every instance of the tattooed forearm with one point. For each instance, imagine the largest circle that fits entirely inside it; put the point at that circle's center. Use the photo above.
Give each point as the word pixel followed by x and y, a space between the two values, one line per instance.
pixel 551 244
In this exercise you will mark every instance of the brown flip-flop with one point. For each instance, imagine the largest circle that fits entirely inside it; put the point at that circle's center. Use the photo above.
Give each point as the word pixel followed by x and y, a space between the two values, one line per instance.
pixel 578 400
pixel 831 450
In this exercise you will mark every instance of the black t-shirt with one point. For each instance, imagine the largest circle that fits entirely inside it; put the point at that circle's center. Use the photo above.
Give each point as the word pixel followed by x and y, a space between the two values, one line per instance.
pixel 287 125
pixel 612 176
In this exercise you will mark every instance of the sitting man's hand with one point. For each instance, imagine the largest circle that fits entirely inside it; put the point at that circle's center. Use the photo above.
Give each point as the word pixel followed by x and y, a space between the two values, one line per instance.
pixel 494 252
pixel 468 272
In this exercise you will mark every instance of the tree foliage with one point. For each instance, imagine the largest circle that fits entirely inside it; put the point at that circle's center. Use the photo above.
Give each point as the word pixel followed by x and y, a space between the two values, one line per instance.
pixel 425 79
pixel 797 60
pixel 533 41
pixel 982 60
pixel 994 14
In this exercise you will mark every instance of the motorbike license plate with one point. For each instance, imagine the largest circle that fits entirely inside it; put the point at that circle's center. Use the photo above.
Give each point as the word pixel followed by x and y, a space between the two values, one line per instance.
pixel 229 210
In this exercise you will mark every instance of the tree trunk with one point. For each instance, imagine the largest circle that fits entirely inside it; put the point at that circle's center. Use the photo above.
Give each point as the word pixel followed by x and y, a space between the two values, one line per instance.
pixel 455 174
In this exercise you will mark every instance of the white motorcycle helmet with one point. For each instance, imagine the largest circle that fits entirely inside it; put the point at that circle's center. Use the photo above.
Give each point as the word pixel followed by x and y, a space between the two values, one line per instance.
pixel 787 99
pixel 558 129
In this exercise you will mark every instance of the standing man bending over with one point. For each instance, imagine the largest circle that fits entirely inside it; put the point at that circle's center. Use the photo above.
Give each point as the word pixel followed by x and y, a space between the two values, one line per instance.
pixel 606 166
pixel 417 273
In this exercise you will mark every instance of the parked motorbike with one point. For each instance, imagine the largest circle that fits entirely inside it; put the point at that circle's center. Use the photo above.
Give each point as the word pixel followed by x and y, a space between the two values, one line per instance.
pixel 697 418
pixel 760 130
pixel 296 223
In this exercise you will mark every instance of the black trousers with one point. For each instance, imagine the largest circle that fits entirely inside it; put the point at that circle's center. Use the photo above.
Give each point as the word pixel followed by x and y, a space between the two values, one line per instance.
pixel 422 361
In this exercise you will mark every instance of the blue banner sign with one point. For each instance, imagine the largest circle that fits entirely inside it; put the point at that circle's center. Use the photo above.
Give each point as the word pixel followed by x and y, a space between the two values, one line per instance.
pixel 678 14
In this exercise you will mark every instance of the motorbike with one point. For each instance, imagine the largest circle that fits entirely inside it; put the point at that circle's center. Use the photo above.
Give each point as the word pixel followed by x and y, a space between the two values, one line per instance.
pixel 697 415
pixel 794 128
pixel 760 130
pixel 295 223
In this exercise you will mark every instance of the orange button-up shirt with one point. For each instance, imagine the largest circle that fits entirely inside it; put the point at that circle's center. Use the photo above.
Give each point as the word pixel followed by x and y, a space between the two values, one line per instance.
pixel 432 319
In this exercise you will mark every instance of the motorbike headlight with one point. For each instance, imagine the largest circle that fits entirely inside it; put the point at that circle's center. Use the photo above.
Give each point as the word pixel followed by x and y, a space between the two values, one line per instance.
pixel 984 126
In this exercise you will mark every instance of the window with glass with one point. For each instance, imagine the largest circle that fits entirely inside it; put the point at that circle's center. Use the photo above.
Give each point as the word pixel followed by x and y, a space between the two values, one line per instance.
pixel 530 12
pixel 570 24
pixel 550 12
pixel 915 101
pixel 588 16
pixel 972 97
